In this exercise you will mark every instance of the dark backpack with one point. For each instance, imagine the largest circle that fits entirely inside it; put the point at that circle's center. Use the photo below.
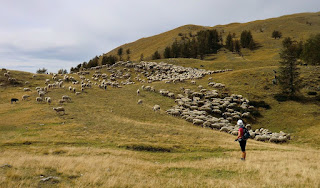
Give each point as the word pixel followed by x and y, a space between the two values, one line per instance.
pixel 246 134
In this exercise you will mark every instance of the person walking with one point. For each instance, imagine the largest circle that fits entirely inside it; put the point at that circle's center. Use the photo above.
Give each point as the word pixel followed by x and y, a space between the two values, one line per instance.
pixel 241 139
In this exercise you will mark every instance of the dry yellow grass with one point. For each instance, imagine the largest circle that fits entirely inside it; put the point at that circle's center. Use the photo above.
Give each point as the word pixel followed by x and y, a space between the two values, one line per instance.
pixel 279 166
pixel 107 140
pixel 294 26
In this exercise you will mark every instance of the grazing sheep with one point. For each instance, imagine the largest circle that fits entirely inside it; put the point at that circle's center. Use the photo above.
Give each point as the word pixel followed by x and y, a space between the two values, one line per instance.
pixel 66 98
pixel 70 88
pixel 59 109
pixel 41 94
pixel 14 100
pixel 140 101
pixel 77 93
pixel 138 92
pixel 48 99
pixel 156 108
pixel 197 121
pixel 39 99
pixel 25 97
pixel 26 89
pixel 61 101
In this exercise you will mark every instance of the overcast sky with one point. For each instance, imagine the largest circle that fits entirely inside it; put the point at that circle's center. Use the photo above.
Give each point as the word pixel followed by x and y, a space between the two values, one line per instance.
pixel 63 33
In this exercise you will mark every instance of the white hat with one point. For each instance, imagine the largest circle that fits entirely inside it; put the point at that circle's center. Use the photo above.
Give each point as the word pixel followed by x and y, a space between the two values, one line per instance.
pixel 240 122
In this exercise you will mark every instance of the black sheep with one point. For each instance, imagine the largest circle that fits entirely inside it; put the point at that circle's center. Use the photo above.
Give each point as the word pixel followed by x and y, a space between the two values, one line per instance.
pixel 14 100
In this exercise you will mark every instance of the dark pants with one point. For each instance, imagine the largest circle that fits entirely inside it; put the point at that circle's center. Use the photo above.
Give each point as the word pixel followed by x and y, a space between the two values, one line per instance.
pixel 243 145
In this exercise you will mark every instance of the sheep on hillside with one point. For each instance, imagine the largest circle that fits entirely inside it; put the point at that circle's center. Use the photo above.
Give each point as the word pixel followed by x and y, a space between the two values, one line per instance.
pixel 59 109
pixel 156 108
pixel 39 99
pixel 66 98
pixel 48 100
pixel 140 101
pixel 25 97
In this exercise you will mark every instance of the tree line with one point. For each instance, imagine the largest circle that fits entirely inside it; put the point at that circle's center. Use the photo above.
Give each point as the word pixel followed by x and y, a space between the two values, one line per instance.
pixel 204 42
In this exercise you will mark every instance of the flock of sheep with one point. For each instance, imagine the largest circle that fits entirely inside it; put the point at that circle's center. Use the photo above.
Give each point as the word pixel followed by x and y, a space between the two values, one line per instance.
pixel 206 108
pixel 209 109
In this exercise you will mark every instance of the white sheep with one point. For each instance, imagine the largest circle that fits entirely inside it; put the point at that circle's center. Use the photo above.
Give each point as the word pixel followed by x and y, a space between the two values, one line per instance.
pixel 61 101
pixel 49 100
pixel 25 97
pixel 41 94
pixel 39 99
pixel 156 108
pixel 66 98
pixel 59 109
pixel 138 91
pixel 26 89
pixel 140 101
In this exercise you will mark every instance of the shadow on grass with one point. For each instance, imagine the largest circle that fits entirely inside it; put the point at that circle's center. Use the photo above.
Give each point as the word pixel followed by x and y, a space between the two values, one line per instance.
pixel 298 98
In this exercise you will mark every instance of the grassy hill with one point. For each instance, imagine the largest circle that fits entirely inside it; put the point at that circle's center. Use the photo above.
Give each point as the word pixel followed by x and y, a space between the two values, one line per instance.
pixel 297 26
pixel 106 139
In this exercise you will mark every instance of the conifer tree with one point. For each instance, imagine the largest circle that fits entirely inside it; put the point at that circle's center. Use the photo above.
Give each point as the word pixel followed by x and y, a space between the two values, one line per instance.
pixel 289 78
pixel 120 53
pixel 276 34
pixel 128 54
pixel 175 48
pixel 229 42
pixel 156 55
pixel 167 52
pixel 237 46
pixel 311 50
pixel 246 40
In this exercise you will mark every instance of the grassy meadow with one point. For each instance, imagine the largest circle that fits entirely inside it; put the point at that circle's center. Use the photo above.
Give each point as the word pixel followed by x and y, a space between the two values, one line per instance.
pixel 106 139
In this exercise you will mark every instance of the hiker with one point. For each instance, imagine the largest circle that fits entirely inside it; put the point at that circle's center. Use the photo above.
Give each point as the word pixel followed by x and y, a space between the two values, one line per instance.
pixel 242 140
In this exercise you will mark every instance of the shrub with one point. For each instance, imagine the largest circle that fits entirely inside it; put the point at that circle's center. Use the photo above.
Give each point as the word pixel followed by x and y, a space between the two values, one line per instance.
pixel 42 71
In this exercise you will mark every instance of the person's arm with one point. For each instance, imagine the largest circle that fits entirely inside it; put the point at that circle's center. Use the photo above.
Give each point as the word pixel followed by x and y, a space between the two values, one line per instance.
pixel 239 134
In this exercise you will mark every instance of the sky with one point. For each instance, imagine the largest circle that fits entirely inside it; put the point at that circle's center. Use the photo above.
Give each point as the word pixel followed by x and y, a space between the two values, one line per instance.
pixel 63 33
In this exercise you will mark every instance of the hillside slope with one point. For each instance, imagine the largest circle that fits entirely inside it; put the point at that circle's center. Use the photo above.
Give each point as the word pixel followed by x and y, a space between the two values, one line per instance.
pixel 147 46
pixel 106 139
pixel 298 26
